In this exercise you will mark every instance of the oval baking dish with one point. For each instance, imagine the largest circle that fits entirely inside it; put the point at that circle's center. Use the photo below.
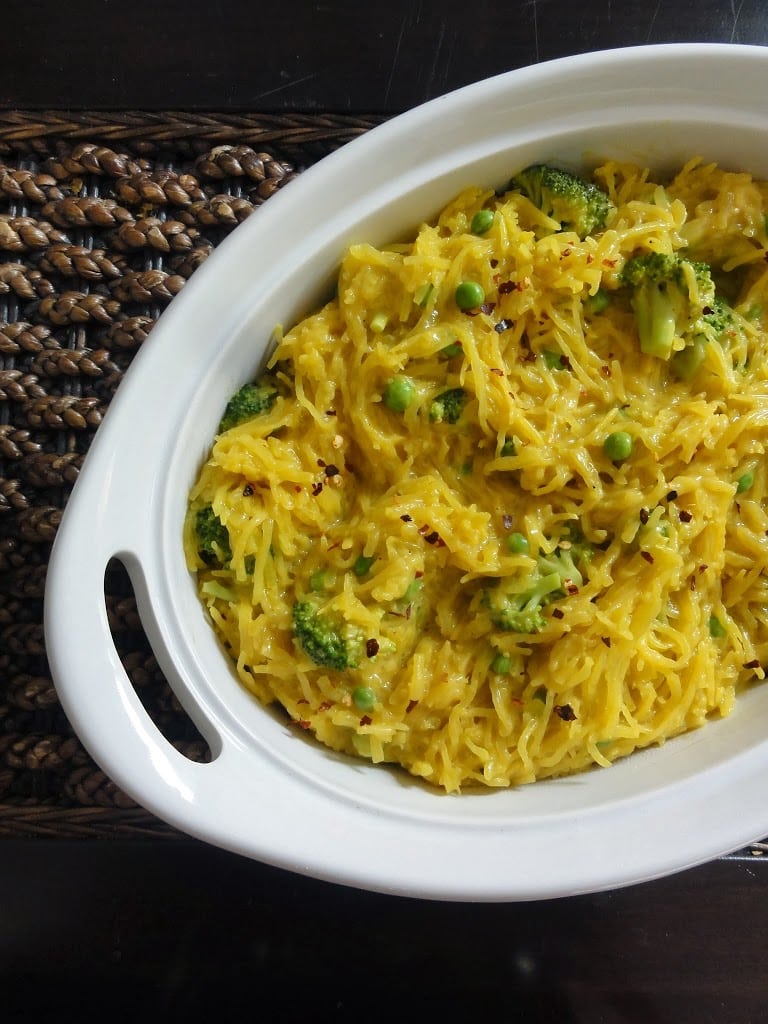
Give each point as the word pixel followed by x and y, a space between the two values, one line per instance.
pixel 269 793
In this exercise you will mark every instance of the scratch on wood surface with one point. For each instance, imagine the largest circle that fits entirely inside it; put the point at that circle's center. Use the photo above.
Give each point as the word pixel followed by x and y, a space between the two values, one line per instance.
pixel 395 58
pixel 654 16
pixel 736 12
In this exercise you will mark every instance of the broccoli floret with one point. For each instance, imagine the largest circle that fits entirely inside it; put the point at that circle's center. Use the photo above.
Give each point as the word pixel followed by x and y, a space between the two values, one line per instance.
pixel 448 406
pixel 578 205
pixel 249 401
pixel 516 604
pixel 326 638
pixel 670 298
pixel 212 537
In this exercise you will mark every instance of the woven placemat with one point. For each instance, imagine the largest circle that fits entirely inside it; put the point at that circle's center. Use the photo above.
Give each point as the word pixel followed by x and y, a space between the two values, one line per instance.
pixel 103 219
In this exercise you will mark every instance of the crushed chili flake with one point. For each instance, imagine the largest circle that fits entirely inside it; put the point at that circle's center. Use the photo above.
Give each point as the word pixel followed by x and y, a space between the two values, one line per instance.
pixel 605 370
pixel 606 640
pixel 321 463
pixel 325 706
pixel 433 537
pixel 703 568
pixel 558 613
pixel 494 262
pixel 755 663
pixel 419 573
pixel 317 488
pixel 423 529
pixel 685 516
pixel 302 701
pixel 304 724
pixel 672 496
pixel 692 583
pixel 297 488
pixel 506 287
pixel 645 515
pixel 332 470
pixel 411 705
pixel 647 556
pixel 330 412
pixel 372 647
pixel 366 720
pixel 497 371
pixel 565 711
pixel 570 587
pixel 406 518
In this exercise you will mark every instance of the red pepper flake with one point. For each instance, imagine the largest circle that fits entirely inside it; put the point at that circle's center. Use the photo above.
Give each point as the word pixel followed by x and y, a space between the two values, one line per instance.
pixel 406 518
pixel 302 701
pixel 685 516
pixel 497 371
pixel 411 705
pixel 366 720
pixel 304 724
pixel 332 470
pixel 605 370
pixel 645 515
pixel 647 556
pixel 419 573
pixel 606 640
pixel 325 706
pixel 372 647
pixel 558 613
pixel 590 258
pixel 672 496
pixel 565 711
pixel 423 529
pixel 330 412
pixel 755 663
pixel 570 587
pixel 565 252
pixel 494 263
pixel 610 263
pixel 703 568
pixel 317 488
pixel 297 488
pixel 321 463
pixel 433 538
pixel 506 287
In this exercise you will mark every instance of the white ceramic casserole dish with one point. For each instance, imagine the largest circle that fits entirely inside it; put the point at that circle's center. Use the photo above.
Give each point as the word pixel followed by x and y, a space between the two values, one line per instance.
pixel 269 793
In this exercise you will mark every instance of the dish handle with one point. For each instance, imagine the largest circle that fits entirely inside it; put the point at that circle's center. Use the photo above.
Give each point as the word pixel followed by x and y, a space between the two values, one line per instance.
pixel 93 686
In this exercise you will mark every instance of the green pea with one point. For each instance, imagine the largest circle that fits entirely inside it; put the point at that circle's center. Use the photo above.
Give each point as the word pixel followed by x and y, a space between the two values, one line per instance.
pixel 744 482
pixel 598 302
pixel 452 350
pixel 508 448
pixel 469 295
pixel 362 565
pixel 716 628
pixel 317 581
pixel 481 222
pixel 364 698
pixel 518 544
pixel 501 664
pixel 399 393
pixel 618 446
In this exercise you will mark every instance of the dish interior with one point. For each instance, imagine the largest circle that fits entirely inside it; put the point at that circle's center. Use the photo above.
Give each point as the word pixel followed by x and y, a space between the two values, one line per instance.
pixel 289 285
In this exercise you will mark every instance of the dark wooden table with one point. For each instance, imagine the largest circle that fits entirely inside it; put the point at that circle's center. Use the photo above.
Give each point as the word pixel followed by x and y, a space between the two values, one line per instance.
pixel 170 928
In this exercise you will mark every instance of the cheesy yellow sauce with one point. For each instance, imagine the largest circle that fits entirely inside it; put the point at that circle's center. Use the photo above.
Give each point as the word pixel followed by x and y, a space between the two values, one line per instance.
pixel 397 525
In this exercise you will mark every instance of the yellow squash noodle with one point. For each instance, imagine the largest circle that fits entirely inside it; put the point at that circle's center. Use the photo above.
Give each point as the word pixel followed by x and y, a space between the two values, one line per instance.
pixel 361 501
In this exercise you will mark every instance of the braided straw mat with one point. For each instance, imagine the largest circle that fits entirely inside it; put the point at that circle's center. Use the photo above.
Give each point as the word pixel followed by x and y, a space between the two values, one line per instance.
pixel 103 219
